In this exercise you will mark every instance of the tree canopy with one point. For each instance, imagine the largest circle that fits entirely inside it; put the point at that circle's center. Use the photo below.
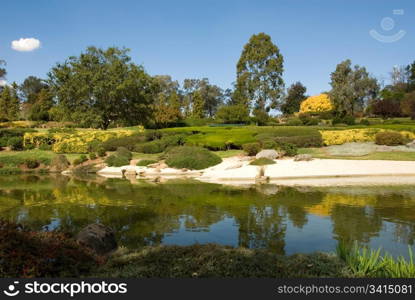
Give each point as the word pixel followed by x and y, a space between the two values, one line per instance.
pixel 351 88
pixel 102 87
pixel 259 83
pixel 295 95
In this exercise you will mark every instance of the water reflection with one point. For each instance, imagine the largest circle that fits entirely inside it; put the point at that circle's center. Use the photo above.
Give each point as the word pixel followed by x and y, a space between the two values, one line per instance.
pixel 283 219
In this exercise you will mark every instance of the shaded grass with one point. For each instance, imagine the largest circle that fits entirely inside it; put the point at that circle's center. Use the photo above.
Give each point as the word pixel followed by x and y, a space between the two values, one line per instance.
pixel 212 260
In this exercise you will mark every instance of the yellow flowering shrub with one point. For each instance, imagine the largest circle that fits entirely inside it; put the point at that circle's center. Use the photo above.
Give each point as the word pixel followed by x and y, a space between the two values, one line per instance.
pixel 316 104
pixel 339 137
pixel 77 142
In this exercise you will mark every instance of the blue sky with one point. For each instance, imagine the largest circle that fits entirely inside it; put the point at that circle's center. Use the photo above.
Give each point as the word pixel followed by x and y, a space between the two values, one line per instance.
pixel 195 39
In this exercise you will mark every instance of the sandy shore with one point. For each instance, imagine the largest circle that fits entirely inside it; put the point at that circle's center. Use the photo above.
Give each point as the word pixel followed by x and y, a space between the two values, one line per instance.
pixel 236 170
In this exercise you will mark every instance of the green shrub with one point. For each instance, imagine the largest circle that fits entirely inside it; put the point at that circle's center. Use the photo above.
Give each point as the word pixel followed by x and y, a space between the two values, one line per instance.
pixel 152 147
pixel 59 163
pixel 83 158
pixel 45 147
pixel 25 253
pixel 101 151
pixel 268 144
pixel 124 152
pixel 389 138
pixel 15 143
pixel 348 120
pixel 308 120
pixel 152 135
pixel 76 162
pixel 364 122
pixel 127 142
pixel 31 163
pixel 294 122
pixel 302 141
pixel 251 148
pixel 191 157
pixel 145 162
pixel 117 161
pixel 92 156
pixel 262 162
pixel 10 171
pixel 288 149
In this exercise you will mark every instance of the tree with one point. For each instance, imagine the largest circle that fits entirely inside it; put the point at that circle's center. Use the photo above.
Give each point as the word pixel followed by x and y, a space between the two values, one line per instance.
pixel 352 88
pixel 30 88
pixel 212 95
pixel 2 70
pixel 386 108
pixel 410 70
pixel 102 87
pixel 316 104
pixel 39 110
pixel 408 105
pixel 198 105
pixel 295 95
pixel 259 83
pixel 167 104
pixel 9 103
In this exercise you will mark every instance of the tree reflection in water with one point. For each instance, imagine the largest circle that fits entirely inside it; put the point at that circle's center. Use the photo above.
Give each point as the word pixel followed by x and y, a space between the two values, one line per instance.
pixel 144 213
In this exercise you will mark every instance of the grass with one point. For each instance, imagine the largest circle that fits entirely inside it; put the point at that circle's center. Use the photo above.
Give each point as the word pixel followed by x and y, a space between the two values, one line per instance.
pixel 228 153
pixel 322 153
pixel 364 262
pixel 262 162
pixel 210 260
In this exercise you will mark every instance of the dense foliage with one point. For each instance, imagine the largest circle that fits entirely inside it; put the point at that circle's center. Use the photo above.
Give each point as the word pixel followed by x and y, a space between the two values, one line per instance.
pixel 194 158
pixel 316 104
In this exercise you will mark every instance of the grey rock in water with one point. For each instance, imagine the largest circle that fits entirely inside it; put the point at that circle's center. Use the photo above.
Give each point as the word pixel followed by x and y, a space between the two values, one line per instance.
pixel 98 237
pixel 268 153
pixel 303 157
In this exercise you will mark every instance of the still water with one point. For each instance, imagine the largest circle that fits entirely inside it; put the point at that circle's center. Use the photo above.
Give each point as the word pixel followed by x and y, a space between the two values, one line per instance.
pixel 284 219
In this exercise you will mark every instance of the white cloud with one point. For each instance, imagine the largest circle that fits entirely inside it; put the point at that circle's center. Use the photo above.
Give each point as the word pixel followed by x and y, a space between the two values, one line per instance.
pixel 25 45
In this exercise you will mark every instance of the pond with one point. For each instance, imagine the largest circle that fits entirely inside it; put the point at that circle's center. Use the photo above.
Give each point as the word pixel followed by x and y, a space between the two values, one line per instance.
pixel 286 220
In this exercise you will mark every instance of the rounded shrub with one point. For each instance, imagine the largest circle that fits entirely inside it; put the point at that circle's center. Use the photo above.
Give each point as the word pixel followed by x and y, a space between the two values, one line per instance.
pixel 389 138
pixel 145 162
pixel 92 156
pixel 31 163
pixel 251 148
pixel 191 157
pixel 124 152
pixel 15 143
pixel 117 161
pixel 101 151
pixel 288 149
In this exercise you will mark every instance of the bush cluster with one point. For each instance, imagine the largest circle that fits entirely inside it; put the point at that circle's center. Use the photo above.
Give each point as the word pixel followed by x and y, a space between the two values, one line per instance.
pixel 24 253
pixel 252 148
pixel 160 145
pixel 31 163
pixel 389 138
pixel 120 158
pixel 80 160
pixel 287 148
pixel 191 157
pixel 145 162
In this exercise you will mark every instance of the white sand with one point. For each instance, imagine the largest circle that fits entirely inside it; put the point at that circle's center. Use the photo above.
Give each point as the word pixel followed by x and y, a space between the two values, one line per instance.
pixel 236 171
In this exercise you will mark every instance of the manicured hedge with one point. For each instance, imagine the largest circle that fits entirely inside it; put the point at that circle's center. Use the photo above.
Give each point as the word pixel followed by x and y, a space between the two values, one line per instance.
pixel 195 158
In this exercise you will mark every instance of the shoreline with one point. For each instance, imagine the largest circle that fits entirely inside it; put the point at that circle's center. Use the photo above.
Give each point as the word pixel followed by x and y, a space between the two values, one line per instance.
pixel 317 172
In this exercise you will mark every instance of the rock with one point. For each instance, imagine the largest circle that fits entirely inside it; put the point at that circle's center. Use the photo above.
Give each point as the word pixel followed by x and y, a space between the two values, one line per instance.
pixel 303 157
pixel 268 153
pixel 411 144
pixel 98 237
